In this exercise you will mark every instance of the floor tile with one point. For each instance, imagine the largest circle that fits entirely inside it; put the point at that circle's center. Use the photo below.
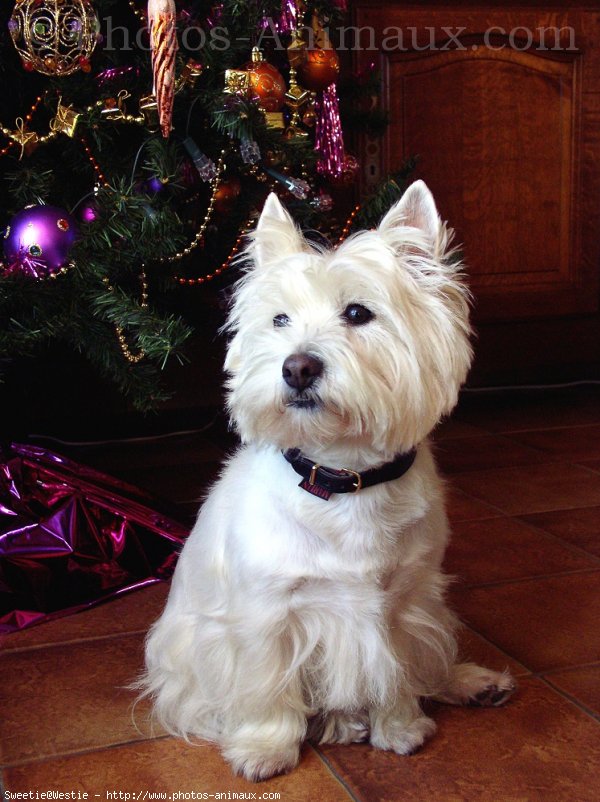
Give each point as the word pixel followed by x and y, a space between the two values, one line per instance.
pixel 168 765
pixel 474 648
pixel 487 451
pixel 133 612
pixel 538 748
pixel 575 443
pixel 581 527
pixel 528 410
pixel 452 428
pixel 533 488
pixel 67 698
pixel 462 507
pixel 543 623
pixel 504 548
pixel 582 684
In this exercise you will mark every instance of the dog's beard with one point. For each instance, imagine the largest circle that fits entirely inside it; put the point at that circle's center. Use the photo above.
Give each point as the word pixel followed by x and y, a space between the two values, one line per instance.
pixel 308 400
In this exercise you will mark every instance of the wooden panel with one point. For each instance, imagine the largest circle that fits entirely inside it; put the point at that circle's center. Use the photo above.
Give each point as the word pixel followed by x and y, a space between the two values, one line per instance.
pixel 501 142
pixel 498 161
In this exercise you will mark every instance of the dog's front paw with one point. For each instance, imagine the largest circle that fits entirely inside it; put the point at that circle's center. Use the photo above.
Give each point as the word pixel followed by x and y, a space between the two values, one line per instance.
pixel 256 766
pixel 398 736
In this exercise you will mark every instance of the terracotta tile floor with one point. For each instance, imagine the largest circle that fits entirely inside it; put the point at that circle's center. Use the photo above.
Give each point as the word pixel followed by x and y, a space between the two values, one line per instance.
pixel 524 497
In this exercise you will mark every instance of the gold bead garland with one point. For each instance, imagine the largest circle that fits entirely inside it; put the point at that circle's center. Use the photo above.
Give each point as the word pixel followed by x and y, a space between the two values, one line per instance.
pixel 193 282
pixel 99 174
pixel 215 184
pixel 348 225
pixel 138 12
pixel 132 358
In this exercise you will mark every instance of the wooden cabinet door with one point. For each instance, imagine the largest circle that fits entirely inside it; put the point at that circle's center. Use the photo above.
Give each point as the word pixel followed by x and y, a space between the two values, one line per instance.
pixel 502 106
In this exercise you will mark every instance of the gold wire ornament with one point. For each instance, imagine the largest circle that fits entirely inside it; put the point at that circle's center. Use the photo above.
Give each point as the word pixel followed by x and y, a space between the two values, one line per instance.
pixel 54 37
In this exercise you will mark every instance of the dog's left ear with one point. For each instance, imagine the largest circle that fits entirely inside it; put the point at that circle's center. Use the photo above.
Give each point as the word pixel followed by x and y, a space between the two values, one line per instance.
pixel 416 209
pixel 276 235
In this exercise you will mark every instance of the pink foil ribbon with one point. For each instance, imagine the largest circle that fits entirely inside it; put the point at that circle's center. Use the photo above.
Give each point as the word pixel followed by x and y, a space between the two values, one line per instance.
pixel 329 138
pixel 71 537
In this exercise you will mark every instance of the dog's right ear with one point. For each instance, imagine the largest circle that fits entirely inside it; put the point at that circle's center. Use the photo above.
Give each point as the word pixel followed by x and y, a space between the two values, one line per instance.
pixel 276 235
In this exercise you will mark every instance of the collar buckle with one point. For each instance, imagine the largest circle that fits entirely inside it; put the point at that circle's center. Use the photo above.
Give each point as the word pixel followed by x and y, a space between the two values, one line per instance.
pixel 312 479
pixel 357 476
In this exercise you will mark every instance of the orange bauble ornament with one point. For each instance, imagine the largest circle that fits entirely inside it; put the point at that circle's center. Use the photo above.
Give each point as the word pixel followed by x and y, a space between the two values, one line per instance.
pixel 319 70
pixel 227 194
pixel 266 83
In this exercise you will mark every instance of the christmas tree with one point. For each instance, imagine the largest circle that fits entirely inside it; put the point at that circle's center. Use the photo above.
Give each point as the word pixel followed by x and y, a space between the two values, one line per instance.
pixel 139 144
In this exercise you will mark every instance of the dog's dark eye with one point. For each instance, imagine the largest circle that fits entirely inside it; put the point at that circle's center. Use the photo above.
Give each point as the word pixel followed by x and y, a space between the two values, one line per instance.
pixel 281 320
pixel 357 314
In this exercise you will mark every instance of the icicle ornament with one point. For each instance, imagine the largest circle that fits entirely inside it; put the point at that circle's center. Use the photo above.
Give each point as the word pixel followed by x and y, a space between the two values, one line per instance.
pixel 163 43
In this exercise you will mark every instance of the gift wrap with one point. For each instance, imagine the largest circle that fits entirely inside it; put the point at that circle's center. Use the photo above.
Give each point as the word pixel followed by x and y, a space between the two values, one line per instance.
pixel 71 537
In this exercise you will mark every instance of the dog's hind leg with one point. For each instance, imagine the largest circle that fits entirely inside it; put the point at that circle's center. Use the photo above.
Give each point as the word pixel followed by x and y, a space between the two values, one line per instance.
pixel 471 684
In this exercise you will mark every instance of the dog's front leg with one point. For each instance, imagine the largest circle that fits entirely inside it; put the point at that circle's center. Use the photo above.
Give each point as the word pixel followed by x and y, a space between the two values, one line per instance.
pixel 266 744
pixel 402 728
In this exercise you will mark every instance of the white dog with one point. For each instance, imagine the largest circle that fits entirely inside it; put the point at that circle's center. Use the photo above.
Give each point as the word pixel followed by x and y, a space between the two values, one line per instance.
pixel 318 610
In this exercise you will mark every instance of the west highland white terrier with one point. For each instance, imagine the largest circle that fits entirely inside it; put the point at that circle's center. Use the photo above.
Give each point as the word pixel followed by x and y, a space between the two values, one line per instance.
pixel 316 609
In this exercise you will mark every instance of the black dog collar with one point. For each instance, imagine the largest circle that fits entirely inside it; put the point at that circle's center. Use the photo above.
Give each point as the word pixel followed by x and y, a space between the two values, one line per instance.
pixel 322 481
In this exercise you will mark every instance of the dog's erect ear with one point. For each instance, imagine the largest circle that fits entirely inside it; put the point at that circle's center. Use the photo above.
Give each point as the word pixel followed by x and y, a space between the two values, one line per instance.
pixel 417 209
pixel 276 235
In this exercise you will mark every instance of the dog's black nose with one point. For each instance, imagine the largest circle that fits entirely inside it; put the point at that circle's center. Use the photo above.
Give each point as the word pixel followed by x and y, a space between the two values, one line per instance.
pixel 300 370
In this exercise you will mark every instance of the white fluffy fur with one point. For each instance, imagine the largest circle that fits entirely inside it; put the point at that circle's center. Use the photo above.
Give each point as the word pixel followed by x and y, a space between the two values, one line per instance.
pixel 287 610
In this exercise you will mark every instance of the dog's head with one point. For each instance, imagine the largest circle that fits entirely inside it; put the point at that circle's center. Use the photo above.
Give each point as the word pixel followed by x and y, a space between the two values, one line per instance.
pixel 366 344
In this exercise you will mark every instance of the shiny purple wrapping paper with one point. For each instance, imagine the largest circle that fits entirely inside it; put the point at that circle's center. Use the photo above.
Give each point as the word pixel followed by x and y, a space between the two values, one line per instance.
pixel 71 537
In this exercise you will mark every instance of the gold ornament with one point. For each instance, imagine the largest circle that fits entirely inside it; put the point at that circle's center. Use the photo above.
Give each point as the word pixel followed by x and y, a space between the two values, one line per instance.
pixel 237 82
pixel 65 121
pixel 296 50
pixel 189 75
pixel 54 37
pixel 275 119
pixel 114 108
pixel 28 140
pixel 149 110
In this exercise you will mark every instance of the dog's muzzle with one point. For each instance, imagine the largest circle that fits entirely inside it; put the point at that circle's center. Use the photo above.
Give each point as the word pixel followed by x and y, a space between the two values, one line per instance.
pixel 300 372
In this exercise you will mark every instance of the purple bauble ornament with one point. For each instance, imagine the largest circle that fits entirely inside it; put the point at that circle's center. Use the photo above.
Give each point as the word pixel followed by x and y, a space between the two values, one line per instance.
pixel 88 213
pixel 38 240
pixel 154 185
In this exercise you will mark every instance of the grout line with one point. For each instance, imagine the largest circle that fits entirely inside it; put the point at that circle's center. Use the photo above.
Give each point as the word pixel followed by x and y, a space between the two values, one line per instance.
pixel 450 486
pixel 570 698
pixel 563 669
pixel 82 752
pixel 584 467
pixel 561 427
pixel 527 672
pixel 579 550
pixel 522 579
pixel 34 647
pixel 335 774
